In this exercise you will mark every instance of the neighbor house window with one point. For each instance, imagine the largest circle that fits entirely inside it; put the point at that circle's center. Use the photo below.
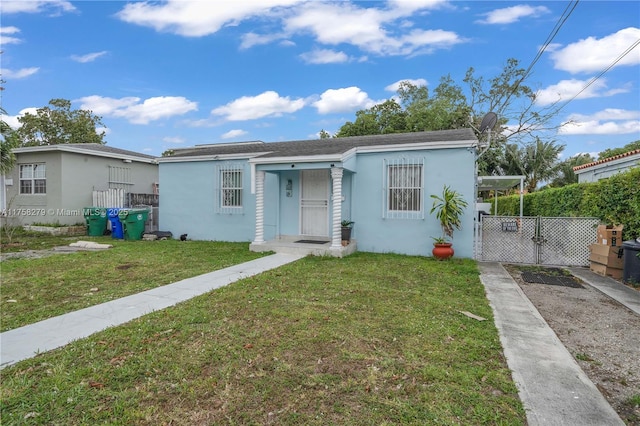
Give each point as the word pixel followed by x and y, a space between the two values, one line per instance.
pixel 33 179
pixel 404 192
pixel 230 189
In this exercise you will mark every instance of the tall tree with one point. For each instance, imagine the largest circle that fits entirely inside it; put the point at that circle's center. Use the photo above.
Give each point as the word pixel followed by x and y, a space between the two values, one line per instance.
pixel 58 123
pixel 8 141
pixel 386 117
pixel 446 109
pixel 612 152
pixel 520 119
pixel 565 175
pixel 324 134
pixel 537 161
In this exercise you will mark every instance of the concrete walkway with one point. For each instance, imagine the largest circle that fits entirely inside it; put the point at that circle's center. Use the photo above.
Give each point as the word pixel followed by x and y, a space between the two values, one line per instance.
pixel 25 342
pixel 553 388
pixel 612 288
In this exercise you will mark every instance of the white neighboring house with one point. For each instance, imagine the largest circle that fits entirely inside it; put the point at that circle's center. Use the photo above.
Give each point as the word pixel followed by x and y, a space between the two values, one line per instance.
pixel 602 169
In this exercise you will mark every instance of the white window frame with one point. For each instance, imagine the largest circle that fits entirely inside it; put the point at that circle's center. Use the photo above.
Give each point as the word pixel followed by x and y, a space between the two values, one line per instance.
pixel 403 191
pixel 37 178
pixel 226 187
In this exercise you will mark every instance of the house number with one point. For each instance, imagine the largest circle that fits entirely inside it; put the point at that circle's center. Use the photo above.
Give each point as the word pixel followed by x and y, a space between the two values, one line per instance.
pixel 510 226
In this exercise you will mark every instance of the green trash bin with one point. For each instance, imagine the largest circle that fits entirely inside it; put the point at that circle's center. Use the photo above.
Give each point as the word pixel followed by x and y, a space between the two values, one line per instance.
pixel 133 221
pixel 96 219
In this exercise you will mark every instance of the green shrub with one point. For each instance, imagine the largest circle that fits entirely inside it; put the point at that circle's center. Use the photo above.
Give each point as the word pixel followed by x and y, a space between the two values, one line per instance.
pixel 615 200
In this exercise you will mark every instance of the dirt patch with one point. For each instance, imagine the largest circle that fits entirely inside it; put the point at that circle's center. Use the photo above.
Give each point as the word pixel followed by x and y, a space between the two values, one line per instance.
pixel 601 334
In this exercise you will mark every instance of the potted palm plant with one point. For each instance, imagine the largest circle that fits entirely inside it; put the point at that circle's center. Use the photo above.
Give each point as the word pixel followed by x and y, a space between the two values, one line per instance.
pixel 448 208
pixel 347 225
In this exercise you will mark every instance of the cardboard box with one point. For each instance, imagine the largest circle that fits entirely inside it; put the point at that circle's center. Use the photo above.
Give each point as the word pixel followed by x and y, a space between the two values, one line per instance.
pixel 606 255
pixel 606 271
pixel 610 235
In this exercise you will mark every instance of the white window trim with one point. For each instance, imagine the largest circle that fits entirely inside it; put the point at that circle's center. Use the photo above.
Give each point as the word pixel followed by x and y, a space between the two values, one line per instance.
pixel 220 189
pixel 32 179
pixel 387 213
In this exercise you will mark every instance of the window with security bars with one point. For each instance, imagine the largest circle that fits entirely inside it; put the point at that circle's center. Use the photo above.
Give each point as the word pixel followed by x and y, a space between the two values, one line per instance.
pixel 33 178
pixel 404 189
pixel 230 189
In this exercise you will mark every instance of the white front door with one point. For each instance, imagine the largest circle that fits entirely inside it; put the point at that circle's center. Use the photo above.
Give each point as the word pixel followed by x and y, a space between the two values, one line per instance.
pixel 314 203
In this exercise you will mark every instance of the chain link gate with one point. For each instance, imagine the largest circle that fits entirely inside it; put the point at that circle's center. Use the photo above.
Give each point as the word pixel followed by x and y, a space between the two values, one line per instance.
pixel 537 240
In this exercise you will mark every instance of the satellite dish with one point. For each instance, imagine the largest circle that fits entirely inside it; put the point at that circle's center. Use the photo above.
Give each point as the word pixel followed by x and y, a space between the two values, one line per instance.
pixel 488 122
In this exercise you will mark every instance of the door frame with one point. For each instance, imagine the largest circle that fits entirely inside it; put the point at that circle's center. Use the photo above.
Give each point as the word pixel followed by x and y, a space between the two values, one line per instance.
pixel 324 200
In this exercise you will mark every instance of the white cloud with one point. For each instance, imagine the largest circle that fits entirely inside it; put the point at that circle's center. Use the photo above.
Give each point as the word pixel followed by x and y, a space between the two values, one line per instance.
pixel 252 39
pixel 592 54
pixel 324 56
pixel 5 39
pixel 348 99
pixel 609 114
pixel 609 121
pixel 106 130
pixel 12 120
pixel 267 104
pixel 410 6
pixel 393 87
pixel 509 15
pixel 174 139
pixel 384 31
pixel 197 18
pixel 21 73
pixel 231 134
pixel 366 28
pixel 37 6
pixel 567 89
pixel 137 112
pixel 89 57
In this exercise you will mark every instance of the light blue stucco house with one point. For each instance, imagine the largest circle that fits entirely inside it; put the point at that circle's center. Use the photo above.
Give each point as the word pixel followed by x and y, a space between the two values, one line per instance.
pixel 276 195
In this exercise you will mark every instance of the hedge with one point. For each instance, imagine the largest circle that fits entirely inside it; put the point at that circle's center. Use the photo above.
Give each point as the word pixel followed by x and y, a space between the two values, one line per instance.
pixel 615 200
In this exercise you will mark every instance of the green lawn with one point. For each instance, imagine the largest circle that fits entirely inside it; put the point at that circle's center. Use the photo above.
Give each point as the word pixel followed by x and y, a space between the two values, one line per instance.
pixel 37 289
pixel 371 339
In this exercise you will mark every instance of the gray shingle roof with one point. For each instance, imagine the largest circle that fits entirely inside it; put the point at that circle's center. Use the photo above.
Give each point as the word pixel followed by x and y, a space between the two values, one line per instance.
pixel 86 148
pixel 318 147
pixel 109 149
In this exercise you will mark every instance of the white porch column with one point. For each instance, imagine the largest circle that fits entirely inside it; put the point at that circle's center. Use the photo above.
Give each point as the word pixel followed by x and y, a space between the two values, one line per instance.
pixel 259 207
pixel 336 236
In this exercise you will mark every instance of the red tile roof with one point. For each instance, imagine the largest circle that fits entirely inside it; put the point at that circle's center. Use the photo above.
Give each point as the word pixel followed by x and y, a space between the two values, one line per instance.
pixel 606 160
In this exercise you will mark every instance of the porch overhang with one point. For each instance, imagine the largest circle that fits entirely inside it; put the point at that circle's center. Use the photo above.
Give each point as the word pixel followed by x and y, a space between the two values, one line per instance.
pixel 501 183
pixel 306 162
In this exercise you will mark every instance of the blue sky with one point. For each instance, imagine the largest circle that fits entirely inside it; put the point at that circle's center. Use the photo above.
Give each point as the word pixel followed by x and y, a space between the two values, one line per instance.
pixel 173 74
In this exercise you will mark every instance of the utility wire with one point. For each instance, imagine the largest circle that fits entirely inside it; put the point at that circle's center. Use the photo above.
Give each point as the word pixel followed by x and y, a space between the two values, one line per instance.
pixel 561 21
pixel 593 80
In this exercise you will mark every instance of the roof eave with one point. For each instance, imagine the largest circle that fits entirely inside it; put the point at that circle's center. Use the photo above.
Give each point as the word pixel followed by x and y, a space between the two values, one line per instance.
pixel 81 150
pixel 208 157
pixel 419 146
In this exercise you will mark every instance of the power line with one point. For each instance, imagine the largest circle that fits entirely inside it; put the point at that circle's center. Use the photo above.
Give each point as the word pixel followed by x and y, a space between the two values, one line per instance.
pixel 561 21
pixel 593 80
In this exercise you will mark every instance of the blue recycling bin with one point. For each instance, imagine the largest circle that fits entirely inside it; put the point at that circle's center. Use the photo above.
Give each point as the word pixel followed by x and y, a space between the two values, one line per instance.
pixel 116 226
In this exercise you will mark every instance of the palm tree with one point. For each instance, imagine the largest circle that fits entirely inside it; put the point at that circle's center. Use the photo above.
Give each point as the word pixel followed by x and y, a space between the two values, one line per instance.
pixel 536 161
pixel 8 141
pixel 565 175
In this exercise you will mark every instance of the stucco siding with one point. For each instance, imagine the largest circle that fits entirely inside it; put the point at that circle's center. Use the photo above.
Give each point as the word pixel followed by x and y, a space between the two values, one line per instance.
pixel 453 167
pixel 36 208
pixel 188 203
pixel 607 169
pixel 70 180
